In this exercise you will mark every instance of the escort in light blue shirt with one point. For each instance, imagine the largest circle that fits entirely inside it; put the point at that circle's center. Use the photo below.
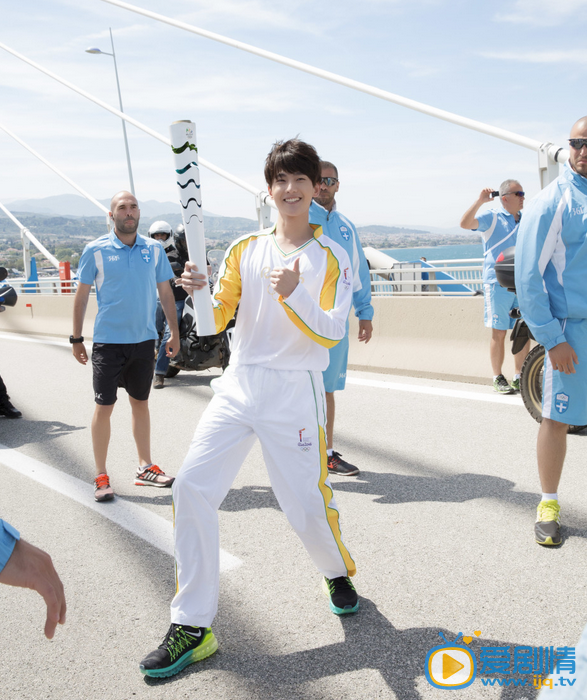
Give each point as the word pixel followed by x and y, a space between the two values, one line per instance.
pixel 499 230
pixel 126 279
pixel 551 258
pixel 341 230
pixel 8 539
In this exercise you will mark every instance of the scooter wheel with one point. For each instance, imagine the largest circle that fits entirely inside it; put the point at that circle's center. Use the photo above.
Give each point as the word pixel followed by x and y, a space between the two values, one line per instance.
pixel 531 382
pixel 531 385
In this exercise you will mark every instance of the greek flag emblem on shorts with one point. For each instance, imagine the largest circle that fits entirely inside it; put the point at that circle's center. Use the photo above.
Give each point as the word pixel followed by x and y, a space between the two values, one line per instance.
pixel 561 403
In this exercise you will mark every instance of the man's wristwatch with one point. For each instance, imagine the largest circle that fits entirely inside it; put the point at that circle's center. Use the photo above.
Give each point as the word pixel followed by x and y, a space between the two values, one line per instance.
pixel 73 340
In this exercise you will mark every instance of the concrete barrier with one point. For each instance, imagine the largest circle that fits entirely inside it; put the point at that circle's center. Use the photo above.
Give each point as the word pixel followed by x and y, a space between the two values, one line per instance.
pixel 45 314
pixel 436 337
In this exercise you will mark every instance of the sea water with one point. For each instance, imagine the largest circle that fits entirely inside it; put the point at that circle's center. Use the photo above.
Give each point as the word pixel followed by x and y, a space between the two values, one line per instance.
pixel 465 251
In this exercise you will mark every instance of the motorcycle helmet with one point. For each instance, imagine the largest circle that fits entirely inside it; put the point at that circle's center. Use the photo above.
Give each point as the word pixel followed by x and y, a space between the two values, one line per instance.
pixel 180 242
pixel 162 227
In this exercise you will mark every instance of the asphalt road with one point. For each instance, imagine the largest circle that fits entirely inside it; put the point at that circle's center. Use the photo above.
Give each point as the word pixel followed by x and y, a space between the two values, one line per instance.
pixel 440 523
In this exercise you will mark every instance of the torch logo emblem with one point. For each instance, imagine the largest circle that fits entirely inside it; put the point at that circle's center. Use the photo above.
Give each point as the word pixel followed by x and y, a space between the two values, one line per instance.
pixel 305 444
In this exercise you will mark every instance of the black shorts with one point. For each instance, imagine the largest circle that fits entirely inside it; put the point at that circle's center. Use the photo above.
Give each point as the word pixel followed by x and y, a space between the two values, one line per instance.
pixel 129 365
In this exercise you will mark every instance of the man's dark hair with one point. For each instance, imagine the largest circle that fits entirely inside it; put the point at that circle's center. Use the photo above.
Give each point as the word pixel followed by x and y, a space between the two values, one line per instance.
pixel 293 156
pixel 327 164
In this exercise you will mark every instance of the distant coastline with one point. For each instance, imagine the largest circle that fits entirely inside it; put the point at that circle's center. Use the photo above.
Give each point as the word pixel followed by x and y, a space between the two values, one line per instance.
pixel 65 235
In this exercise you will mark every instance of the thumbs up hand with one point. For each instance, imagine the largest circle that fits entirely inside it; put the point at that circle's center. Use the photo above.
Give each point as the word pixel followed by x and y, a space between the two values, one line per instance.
pixel 284 279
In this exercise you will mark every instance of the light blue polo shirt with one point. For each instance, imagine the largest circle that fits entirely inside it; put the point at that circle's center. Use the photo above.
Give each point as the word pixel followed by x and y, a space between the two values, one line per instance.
pixel 8 538
pixel 499 230
pixel 126 281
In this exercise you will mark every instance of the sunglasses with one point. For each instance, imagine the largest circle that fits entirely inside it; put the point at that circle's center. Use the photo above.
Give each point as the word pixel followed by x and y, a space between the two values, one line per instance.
pixel 518 194
pixel 329 181
pixel 578 143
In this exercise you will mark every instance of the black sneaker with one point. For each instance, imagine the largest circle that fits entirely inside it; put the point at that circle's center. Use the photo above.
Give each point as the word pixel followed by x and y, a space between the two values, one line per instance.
pixel 337 465
pixel 500 384
pixel 342 595
pixel 8 410
pixel 181 647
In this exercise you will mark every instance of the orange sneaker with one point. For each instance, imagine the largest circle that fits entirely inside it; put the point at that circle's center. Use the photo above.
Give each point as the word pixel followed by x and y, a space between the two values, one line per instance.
pixel 102 489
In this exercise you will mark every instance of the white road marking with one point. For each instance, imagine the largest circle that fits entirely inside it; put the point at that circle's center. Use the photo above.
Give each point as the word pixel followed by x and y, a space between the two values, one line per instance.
pixel 375 383
pixel 43 340
pixel 437 391
pixel 141 522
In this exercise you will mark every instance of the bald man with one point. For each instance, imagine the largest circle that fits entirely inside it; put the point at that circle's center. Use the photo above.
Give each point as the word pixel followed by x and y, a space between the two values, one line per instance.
pixel 128 271
pixel 551 268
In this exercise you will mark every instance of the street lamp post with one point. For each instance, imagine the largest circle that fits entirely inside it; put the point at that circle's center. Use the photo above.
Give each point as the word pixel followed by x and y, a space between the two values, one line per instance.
pixel 113 54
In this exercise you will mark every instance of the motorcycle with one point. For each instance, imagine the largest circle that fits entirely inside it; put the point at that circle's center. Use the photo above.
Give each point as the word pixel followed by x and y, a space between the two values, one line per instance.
pixel 8 295
pixel 197 353
pixel 531 375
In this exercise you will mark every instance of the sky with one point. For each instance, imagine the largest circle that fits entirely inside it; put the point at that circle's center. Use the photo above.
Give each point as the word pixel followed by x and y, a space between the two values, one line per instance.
pixel 517 64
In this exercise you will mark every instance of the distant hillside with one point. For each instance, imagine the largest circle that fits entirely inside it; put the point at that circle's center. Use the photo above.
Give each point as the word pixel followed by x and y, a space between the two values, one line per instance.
pixel 73 205
pixel 67 217
pixel 403 237
pixel 90 227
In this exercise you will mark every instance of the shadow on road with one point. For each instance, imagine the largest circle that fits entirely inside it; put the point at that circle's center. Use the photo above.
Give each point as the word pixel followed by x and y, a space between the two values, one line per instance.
pixel 371 643
pixel 15 433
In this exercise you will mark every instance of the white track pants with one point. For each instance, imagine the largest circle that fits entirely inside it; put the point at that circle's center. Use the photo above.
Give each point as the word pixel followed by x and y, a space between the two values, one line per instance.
pixel 286 411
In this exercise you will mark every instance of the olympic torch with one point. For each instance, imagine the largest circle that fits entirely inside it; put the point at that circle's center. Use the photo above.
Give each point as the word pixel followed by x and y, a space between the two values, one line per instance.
pixel 185 156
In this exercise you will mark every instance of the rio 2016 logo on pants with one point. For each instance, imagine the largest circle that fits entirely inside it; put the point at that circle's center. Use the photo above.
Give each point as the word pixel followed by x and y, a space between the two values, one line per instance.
pixel 450 665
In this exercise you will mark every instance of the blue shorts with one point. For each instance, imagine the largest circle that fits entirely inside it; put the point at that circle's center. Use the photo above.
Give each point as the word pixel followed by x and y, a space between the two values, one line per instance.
pixel 564 396
pixel 335 375
pixel 498 302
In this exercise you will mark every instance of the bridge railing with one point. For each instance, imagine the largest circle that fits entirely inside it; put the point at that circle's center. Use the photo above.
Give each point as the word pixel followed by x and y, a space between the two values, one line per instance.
pixel 458 277
pixel 44 285
pixel 446 278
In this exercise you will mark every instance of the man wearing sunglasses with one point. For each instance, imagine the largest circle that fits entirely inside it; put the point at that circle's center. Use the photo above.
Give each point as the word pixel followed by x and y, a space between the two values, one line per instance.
pixel 550 270
pixel 498 227
pixel 323 211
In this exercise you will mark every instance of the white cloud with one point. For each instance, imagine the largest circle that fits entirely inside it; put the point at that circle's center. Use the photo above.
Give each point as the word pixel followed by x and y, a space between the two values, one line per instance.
pixel 545 13
pixel 417 69
pixel 574 56
pixel 248 12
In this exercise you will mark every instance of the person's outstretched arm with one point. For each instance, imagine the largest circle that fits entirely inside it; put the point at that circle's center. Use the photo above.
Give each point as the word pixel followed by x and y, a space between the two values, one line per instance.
pixel 31 567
